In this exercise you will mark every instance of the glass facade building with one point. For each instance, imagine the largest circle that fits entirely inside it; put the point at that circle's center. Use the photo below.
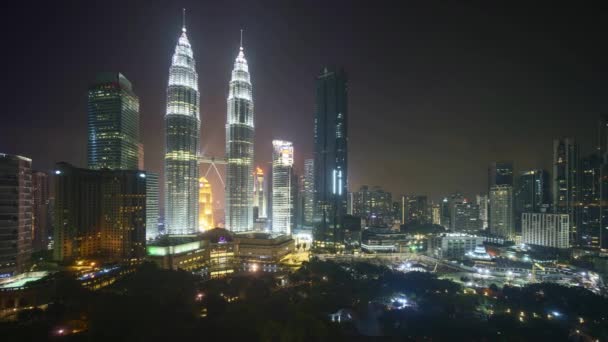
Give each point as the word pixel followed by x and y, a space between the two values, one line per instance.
pixel 239 149
pixel 99 214
pixel 309 190
pixel 282 197
pixel 182 135
pixel 152 205
pixel 259 198
pixel 113 124
pixel 330 155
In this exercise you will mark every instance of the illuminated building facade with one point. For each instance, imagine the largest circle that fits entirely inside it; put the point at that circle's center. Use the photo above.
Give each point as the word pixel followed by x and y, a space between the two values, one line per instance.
pixel 263 252
pixel 543 229
pixel 239 148
pixel 205 205
pixel 211 254
pixel 282 198
pixel 501 211
pixel 466 218
pixel 482 202
pixel 330 155
pixel 259 198
pixel 40 208
pixel 152 205
pixel 182 125
pixel 15 214
pixel 113 124
pixel 309 191
pixel 99 214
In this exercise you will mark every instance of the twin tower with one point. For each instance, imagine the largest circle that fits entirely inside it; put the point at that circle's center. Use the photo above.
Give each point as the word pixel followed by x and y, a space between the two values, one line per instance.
pixel 182 144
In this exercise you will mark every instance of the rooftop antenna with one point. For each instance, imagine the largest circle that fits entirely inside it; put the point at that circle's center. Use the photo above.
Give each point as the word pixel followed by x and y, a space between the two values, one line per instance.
pixel 241 39
pixel 183 20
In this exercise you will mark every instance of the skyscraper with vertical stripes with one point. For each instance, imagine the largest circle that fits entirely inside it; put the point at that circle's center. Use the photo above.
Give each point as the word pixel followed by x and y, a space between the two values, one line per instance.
pixel 182 135
pixel 239 148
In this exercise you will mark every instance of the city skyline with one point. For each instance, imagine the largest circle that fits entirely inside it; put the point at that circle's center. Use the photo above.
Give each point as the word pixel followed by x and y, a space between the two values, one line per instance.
pixel 430 138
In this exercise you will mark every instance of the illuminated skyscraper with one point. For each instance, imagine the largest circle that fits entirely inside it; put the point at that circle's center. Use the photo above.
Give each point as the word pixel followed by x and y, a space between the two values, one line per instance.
pixel 309 190
pixel 205 205
pixel 501 211
pixel 182 125
pixel 113 124
pixel 282 197
pixel 239 148
pixel 15 214
pixel 259 199
pixel 330 155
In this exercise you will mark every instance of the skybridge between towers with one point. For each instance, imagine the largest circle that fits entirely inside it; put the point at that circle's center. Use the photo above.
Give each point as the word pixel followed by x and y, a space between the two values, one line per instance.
pixel 212 161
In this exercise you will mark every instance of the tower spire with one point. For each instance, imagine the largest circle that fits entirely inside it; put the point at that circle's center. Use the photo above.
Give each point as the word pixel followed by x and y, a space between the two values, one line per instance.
pixel 183 20
pixel 241 39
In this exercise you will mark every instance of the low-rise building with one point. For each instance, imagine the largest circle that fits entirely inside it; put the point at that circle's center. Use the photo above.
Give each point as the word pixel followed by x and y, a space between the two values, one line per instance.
pixel 263 251
pixel 453 245
pixel 212 253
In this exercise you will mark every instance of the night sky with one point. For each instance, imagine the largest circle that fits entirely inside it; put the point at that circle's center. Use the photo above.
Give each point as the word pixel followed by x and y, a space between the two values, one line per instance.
pixel 437 91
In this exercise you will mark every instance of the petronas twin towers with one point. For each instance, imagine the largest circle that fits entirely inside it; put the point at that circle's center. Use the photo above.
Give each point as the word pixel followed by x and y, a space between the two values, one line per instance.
pixel 182 144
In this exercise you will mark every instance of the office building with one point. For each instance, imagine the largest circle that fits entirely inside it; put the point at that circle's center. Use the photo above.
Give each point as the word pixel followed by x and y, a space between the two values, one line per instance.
pixel 259 195
pixel 466 218
pixel 531 193
pixel 500 173
pixel 453 245
pixel 15 214
pixel 182 134
pixel 501 211
pixel 40 209
pixel 436 214
pixel 152 205
pixel 113 124
pixel 374 205
pixel 99 214
pixel 309 191
pixel 482 202
pixel 330 155
pixel 566 182
pixel 205 205
pixel 282 187
pixel 548 230
pixel 239 148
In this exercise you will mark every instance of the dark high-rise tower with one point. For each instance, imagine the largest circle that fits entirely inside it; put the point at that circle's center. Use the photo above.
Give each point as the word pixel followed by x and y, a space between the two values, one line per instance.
pixel 330 154
pixel 113 121
pixel 40 209
pixel 500 173
pixel 531 193
pixel 183 128
pixel 566 182
pixel 239 148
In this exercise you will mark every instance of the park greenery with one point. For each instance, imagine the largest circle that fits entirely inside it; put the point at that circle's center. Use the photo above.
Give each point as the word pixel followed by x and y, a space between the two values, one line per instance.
pixel 153 304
